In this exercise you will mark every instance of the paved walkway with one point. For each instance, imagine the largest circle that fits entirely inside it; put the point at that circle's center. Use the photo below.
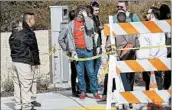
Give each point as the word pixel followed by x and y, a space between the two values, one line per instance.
pixel 64 101
pixel 56 101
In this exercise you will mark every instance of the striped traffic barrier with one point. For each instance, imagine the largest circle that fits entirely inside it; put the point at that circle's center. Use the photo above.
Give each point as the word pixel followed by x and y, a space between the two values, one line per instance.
pixel 138 27
pixel 118 96
pixel 140 65
pixel 152 96
pixel 160 64
pixel 155 96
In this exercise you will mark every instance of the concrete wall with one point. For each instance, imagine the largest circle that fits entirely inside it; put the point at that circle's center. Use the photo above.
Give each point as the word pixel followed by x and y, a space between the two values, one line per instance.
pixel 6 63
pixel 45 67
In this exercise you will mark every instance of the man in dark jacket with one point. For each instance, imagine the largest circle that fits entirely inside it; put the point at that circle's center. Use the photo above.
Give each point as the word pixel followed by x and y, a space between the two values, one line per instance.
pixel 25 58
pixel 98 48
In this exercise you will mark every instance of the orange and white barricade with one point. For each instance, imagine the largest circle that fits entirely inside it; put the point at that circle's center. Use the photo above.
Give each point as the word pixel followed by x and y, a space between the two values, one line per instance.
pixel 137 27
pixel 118 96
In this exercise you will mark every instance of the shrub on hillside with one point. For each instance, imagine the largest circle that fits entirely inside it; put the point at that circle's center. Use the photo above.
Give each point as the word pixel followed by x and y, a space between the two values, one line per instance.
pixel 12 10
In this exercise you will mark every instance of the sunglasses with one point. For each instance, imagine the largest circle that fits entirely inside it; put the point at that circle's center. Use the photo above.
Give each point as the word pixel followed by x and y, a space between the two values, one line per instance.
pixel 120 7
pixel 148 13
pixel 96 10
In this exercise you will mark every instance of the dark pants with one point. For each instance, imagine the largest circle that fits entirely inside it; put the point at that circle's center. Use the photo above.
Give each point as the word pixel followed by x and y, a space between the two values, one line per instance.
pixel 167 80
pixel 167 76
pixel 158 77
pixel 128 81
pixel 128 78
pixel 73 77
pixel 106 85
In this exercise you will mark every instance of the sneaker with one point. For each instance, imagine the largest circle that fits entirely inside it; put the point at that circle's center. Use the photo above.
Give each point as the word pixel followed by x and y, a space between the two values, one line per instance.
pixel 36 104
pixel 96 96
pixel 83 95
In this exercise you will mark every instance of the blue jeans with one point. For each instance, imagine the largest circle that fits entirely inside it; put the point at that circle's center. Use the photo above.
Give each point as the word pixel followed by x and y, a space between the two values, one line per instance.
pixel 84 53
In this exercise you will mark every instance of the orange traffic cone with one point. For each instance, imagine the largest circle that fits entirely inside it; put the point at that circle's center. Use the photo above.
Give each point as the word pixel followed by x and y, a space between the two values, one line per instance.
pixel 153 84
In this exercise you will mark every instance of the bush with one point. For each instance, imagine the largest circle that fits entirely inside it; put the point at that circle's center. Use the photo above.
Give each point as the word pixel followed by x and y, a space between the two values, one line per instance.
pixel 12 10
pixel 7 85
pixel 42 85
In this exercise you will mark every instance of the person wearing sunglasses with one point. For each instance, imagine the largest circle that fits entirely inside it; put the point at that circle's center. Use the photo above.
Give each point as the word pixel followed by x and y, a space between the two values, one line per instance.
pixel 128 78
pixel 130 17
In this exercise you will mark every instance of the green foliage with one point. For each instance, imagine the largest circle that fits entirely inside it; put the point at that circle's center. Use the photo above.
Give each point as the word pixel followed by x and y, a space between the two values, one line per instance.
pixel 43 83
pixel 8 85
pixel 13 10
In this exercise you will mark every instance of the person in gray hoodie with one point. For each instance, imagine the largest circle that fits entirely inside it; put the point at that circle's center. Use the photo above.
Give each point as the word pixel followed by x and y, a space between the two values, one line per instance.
pixel 80 42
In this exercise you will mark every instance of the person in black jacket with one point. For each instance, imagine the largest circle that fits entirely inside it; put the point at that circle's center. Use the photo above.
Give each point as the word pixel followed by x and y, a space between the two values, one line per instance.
pixel 98 48
pixel 165 14
pixel 25 58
